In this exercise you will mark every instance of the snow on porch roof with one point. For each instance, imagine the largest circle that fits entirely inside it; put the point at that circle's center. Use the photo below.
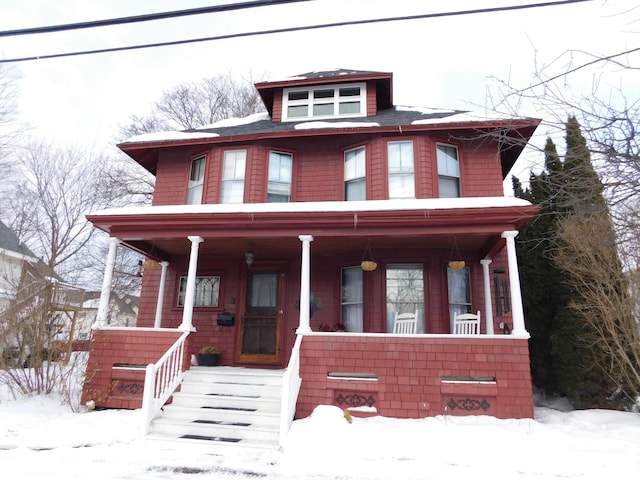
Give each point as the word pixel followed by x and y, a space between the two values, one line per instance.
pixel 327 207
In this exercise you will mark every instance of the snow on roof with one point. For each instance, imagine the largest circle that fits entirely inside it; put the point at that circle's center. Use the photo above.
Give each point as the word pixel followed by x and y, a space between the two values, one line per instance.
pixel 310 207
pixel 313 125
pixel 169 135
pixel 467 117
pixel 235 121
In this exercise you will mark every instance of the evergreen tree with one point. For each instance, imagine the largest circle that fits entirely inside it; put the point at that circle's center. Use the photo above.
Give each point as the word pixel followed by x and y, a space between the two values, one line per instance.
pixel 563 358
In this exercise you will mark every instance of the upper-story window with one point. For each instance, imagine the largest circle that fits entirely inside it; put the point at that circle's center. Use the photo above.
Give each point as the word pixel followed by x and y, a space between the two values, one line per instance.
pixel 280 170
pixel 355 174
pixel 448 171
pixel 400 163
pixel 196 181
pixel 233 176
pixel 327 101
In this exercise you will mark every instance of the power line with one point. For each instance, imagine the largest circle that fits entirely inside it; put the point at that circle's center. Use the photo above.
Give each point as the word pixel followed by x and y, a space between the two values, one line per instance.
pixel 146 18
pixel 294 29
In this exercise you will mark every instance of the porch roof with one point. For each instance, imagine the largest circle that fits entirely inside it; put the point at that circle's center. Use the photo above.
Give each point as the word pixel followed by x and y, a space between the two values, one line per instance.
pixel 161 231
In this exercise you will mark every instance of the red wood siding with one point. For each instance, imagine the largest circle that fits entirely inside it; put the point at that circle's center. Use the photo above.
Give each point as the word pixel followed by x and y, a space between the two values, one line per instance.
pixel 410 373
pixel 111 387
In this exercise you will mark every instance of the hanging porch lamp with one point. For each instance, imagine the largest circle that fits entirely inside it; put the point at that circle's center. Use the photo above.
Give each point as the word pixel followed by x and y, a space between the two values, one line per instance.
pixel 455 259
pixel 368 263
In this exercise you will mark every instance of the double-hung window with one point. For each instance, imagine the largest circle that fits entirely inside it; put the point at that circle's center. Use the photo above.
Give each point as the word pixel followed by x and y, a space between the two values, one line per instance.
pixel 459 292
pixel 448 171
pixel 400 164
pixel 355 174
pixel 346 100
pixel 279 184
pixel 233 176
pixel 351 299
pixel 196 181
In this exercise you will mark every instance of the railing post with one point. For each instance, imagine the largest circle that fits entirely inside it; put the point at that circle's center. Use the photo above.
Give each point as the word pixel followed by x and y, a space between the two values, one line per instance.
pixel 514 282
pixel 305 275
pixel 147 396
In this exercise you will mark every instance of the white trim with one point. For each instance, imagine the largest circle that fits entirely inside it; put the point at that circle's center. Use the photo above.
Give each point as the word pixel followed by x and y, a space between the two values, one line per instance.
pixel 20 256
pixel 406 204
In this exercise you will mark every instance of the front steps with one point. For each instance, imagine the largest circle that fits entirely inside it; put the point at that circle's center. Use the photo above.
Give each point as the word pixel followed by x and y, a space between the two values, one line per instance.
pixel 223 407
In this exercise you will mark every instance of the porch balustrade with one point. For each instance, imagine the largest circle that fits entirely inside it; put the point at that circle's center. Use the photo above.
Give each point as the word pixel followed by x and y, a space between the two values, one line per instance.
pixel 161 380
pixel 291 382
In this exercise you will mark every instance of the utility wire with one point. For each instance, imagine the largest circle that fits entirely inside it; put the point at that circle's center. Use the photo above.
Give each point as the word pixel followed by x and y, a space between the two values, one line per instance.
pixel 295 29
pixel 146 18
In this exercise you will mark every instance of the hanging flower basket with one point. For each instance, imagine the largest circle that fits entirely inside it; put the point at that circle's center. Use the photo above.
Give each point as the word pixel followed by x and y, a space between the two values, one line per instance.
pixel 456 264
pixel 150 264
pixel 368 265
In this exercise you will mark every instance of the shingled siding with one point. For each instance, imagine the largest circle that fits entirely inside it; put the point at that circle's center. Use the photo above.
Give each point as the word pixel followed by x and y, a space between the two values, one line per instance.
pixel 416 376
pixel 115 372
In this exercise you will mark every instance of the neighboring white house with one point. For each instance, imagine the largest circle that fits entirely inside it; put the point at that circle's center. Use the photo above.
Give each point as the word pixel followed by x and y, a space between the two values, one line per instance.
pixel 13 256
pixel 122 312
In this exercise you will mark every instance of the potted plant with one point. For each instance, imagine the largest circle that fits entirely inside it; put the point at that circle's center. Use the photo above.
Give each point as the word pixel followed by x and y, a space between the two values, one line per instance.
pixel 208 356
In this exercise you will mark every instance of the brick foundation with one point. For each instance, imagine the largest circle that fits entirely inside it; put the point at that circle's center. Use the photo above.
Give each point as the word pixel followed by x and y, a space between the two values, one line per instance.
pixel 117 358
pixel 413 377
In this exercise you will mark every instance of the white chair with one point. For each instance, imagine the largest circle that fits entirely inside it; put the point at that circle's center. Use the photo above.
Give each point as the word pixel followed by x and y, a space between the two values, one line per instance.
pixel 405 323
pixel 467 324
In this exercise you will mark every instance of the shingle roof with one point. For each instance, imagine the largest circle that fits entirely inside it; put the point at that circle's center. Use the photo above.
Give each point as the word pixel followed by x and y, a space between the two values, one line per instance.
pixel 9 241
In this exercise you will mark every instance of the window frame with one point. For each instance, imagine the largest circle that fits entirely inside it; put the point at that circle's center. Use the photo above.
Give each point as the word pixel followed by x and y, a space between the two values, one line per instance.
pixel 195 185
pixel 401 173
pixel 447 175
pixel 355 179
pixel 270 182
pixel 420 305
pixel 215 293
pixel 336 101
pixel 235 180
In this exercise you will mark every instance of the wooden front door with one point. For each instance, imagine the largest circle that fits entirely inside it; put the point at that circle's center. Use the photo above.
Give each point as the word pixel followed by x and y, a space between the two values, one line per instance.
pixel 262 318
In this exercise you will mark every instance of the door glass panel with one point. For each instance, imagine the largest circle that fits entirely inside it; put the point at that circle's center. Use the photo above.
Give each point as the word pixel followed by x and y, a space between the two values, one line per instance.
pixel 260 324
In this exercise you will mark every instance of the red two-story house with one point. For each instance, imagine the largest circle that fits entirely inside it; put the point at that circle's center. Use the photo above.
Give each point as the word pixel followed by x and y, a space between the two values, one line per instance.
pixel 293 239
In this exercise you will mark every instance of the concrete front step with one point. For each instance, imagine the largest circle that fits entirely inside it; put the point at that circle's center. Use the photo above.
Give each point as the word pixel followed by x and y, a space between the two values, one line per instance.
pixel 225 406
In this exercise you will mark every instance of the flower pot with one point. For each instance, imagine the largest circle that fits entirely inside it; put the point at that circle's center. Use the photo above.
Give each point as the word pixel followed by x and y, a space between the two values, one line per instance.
pixel 208 359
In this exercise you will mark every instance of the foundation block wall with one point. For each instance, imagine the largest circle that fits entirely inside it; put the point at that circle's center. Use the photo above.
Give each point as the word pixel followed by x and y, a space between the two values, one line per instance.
pixel 413 377
pixel 117 360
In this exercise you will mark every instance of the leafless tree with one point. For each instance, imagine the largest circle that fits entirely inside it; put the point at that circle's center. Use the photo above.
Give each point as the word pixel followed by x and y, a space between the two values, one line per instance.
pixel 198 103
pixel 9 129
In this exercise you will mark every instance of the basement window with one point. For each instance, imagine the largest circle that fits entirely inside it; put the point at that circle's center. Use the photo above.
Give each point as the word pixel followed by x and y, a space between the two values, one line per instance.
pixel 352 376
pixel 469 379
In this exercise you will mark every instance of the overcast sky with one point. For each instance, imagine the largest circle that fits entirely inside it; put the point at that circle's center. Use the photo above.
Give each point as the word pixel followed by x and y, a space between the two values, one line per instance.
pixel 438 62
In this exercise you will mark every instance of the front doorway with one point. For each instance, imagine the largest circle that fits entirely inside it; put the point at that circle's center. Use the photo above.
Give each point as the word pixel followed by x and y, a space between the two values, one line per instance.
pixel 260 324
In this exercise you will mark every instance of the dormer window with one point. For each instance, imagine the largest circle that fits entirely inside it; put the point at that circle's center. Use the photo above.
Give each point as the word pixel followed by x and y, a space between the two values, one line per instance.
pixel 327 101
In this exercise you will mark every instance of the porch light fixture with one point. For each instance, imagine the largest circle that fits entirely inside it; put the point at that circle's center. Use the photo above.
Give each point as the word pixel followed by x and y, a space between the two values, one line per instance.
pixel 455 259
pixel 368 263
pixel 248 257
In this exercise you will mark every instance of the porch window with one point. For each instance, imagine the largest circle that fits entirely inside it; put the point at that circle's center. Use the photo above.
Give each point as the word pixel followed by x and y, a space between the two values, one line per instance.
pixel 400 162
pixel 346 100
pixel 405 293
pixel 196 181
pixel 279 185
pixel 459 292
pixel 207 291
pixel 233 176
pixel 448 171
pixel 351 299
pixel 354 174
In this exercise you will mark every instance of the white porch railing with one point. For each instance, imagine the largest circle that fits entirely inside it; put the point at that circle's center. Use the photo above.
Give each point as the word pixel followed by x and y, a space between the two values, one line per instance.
pixel 161 379
pixel 291 382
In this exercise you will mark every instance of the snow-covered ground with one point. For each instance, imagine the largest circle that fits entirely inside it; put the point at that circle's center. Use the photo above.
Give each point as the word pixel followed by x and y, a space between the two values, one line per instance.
pixel 41 438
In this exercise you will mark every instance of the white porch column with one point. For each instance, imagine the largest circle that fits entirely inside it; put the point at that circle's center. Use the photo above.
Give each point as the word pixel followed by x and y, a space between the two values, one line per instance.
pixel 105 294
pixel 305 278
pixel 189 294
pixel 514 283
pixel 488 307
pixel 163 280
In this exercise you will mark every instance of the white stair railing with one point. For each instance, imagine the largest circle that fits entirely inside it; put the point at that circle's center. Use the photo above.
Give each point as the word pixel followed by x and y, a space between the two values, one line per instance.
pixel 161 379
pixel 291 382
